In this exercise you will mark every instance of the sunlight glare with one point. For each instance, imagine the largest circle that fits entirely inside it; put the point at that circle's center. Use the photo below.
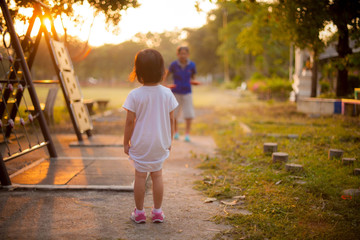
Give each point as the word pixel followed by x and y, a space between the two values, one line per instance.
pixel 329 30
pixel 154 16
pixel 36 27
pixel 47 24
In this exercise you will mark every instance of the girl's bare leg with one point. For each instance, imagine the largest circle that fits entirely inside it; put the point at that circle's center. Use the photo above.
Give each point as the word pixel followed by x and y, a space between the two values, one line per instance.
pixel 158 188
pixel 139 189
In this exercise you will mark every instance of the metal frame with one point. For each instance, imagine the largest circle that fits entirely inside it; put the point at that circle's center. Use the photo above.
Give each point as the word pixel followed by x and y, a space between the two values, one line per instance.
pixel 42 11
pixel 26 76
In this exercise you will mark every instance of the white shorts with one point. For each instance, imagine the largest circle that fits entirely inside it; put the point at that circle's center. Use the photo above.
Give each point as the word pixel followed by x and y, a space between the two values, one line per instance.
pixel 185 104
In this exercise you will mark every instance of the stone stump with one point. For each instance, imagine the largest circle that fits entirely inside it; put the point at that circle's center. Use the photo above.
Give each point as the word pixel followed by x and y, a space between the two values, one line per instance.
pixel 335 153
pixel 357 171
pixel 269 148
pixel 293 136
pixel 292 167
pixel 348 161
pixel 351 192
pixel 280 157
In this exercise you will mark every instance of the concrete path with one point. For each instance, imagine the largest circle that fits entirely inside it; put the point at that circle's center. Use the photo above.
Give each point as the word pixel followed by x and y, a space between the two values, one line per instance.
pixel 96 163
pixel 64 214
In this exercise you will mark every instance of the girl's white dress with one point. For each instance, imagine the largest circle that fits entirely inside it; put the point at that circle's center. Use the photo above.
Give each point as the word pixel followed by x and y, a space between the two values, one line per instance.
pixel 151 138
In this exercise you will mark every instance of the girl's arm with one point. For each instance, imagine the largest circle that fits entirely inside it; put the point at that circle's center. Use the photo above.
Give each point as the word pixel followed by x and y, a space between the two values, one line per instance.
pixel 129 129
pixel 172 125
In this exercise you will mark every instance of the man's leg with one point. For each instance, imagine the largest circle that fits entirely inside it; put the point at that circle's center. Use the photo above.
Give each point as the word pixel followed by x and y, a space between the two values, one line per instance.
pixel 189 114
pixel 188 126
pixel 176 114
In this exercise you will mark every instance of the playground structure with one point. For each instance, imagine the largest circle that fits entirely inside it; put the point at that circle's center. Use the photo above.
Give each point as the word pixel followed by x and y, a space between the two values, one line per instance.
pixel 16 118
pixel 63 67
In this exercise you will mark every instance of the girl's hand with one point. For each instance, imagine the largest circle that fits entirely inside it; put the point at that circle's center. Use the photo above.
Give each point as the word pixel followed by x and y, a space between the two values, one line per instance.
pixel 126 149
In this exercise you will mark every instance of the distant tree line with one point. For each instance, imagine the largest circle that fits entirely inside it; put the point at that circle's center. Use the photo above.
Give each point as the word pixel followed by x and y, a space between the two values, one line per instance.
pixel 108 64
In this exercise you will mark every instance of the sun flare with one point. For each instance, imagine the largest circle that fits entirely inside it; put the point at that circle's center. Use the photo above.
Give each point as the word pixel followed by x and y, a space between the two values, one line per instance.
pixel 151 16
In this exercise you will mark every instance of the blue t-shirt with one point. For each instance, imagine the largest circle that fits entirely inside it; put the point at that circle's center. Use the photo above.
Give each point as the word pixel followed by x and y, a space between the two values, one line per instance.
pixel 182 76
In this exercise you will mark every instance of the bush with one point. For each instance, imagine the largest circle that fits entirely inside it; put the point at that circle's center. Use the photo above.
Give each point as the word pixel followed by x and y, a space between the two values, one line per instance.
pixel 271 88
pixel 324 86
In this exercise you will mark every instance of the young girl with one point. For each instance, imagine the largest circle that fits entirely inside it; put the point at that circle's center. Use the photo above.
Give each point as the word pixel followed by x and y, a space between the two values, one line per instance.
pixel 149 130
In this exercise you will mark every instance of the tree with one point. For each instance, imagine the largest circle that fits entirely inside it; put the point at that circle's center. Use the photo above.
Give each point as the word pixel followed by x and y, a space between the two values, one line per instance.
pixel 345 14
pixel 302 21
pixel 166 43
pixel 109 63
pixel 78 50
pixel 251 40
pixel 110 8
pixel 203 43
pixel 113 63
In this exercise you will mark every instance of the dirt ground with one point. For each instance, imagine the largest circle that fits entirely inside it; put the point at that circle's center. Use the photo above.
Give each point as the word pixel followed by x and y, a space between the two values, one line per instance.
pixel 105 214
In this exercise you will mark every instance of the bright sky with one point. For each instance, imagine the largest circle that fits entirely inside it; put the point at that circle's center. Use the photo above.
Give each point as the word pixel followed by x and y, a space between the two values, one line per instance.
pixel 151 16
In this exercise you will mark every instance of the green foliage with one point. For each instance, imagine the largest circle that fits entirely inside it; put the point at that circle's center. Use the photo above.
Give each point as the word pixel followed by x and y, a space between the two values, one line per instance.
pixel 110 64
pixel 250 40
pixel 325 86
pixel 354 61
pixel 110 8
pixel 166 43
pixel 254 35
pixel 270 88
pixel 203 43
pixel 302 21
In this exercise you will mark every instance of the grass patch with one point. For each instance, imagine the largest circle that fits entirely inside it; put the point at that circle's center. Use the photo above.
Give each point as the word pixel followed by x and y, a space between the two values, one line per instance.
pixel 282 207
pixel 204 97
pixel 116 95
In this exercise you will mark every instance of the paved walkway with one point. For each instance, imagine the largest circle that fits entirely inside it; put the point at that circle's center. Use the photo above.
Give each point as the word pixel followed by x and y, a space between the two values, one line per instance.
pixel 105 214
pixel 96 163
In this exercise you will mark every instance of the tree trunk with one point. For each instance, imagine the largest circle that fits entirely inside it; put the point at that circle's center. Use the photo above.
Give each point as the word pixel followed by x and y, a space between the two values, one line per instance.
pixel 341 81
pixel 343 49
pixel 314 73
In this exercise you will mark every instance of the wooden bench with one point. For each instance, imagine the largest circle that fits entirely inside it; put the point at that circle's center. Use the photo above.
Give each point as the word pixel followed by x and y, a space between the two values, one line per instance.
pixel 350 107
pixel 102 103
pixel 89 103
pixel 48 106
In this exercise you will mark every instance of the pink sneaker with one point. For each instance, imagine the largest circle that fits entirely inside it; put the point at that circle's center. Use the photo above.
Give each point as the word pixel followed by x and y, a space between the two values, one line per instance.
pixel 157 217
pixel 138 218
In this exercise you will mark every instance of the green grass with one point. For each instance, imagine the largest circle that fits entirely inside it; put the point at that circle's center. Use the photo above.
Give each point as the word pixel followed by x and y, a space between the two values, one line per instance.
pixel 116 95
pixel 314 210
pixel 204 96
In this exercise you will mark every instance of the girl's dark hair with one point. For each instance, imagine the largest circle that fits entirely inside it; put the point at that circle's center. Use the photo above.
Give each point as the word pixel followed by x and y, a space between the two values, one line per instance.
pixel 180 48
pixel 148 67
